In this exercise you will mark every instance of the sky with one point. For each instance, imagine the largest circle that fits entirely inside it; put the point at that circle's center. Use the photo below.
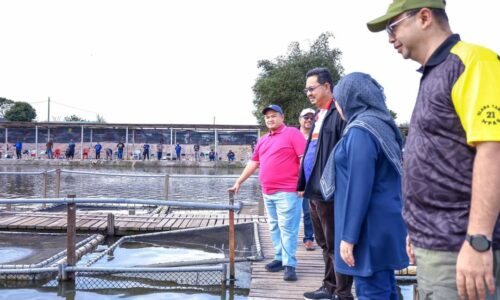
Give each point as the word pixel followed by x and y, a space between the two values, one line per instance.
pixel 194 61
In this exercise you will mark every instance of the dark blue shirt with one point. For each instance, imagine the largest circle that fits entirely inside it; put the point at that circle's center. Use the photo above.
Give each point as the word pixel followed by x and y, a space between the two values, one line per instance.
pixel 368 204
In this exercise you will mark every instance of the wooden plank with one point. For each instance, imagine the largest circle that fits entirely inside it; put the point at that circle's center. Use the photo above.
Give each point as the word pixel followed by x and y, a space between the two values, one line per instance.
pixel 60 224
pixel 267 285
pixel 99 225
pixel 45 225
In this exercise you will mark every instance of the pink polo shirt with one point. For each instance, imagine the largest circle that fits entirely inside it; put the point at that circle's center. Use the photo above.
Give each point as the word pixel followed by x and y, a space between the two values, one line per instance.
pixel 278 154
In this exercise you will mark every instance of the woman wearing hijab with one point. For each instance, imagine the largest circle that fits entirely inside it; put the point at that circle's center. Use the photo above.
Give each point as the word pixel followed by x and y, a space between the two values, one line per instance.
pixel 364 174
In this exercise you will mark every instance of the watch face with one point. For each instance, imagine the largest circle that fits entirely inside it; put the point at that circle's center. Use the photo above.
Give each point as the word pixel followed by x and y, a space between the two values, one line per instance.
pixel 480 243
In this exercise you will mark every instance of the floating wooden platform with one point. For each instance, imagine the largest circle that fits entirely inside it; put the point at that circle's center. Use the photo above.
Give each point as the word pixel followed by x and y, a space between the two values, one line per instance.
pixel 124 224
pixel 266 285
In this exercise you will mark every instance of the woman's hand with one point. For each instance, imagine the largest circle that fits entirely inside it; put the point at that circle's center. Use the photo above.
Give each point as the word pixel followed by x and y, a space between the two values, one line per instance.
pixel 346 253
pixel 409 250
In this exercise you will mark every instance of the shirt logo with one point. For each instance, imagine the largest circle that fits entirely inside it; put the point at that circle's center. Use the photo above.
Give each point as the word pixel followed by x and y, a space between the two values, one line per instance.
pixel 489 114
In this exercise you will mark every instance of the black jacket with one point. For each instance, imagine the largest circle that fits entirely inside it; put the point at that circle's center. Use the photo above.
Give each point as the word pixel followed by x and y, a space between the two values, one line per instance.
pixel 329 135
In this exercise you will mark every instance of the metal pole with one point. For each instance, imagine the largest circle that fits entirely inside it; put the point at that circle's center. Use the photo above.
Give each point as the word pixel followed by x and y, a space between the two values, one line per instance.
pixel 45 186
pixel 261 206
pixel 81 144
pixel 171 142
pixel 58 182
pixel 231 238
pixel 216 143
pixel 71 236
pixel 126 143
pixel 166 186
pixel 111 224
pixel 6 140
pixel 36 141
pixel 48 111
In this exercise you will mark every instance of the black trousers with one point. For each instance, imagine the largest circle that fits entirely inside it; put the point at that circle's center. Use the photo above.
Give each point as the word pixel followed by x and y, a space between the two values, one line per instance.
pixel 324 233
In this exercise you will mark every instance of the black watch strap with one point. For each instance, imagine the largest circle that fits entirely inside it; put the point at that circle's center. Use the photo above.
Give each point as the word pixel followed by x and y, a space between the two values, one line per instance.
pixel 478 242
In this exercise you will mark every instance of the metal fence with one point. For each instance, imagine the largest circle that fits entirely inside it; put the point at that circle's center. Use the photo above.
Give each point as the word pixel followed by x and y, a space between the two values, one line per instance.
pixel 68 271
pixel 57 182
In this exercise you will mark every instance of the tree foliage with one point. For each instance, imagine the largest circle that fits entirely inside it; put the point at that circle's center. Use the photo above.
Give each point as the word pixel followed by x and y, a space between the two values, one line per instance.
pixel 5 105
pixel 20 111
pixel 74 118
pixel 100 119
pixel 282 81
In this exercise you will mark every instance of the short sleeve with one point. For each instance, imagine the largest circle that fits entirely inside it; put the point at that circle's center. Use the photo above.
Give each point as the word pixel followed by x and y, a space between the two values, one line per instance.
pixel 476 94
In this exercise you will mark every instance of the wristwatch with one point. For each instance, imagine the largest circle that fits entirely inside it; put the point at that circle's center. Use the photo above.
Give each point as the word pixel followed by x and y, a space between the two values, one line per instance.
pixel 478 242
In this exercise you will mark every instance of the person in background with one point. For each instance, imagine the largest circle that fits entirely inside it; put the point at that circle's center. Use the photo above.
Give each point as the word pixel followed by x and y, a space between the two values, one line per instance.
pixel 364 172
pixel 145 151
pixel 196 152
pixel 178 150
pixel 452 171
pixel 48 149
pixel 230 155
pixel 278 156
pixel 159 150
pixel 326 131
pixel 306 119
pixel 120 146
pixel 19 149
pixel 211 155
pixel 109 154
pixel 97 148
pixel 70 151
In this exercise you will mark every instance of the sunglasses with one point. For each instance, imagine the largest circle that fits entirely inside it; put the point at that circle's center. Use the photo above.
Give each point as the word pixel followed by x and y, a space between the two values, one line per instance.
pixel 308 118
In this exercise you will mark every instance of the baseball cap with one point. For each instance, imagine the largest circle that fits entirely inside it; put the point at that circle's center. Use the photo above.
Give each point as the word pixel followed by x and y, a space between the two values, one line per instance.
pixel 274 107
pixel 398 7
pixel 306 111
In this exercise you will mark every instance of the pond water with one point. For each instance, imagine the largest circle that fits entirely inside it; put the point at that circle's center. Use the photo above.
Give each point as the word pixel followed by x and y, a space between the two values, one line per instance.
pixel 207 189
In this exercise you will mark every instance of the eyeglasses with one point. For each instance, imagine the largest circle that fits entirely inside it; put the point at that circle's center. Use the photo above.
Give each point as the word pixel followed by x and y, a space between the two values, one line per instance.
pixel 307 118
pixel 390 28
pixel 310 89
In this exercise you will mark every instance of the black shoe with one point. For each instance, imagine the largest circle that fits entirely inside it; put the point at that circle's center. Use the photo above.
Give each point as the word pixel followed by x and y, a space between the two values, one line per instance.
pixel 337 297
pixel 289 274
pixel 274 266
pixel 321 294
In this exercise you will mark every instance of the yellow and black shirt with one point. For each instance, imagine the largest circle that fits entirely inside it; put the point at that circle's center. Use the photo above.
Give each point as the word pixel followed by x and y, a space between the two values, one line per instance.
pixel 458 105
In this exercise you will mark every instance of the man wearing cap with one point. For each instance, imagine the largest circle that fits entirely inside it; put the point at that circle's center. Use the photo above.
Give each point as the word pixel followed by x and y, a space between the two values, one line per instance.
pixel 278 156
pixel 451 170
pixel 306 119
pixel 326 132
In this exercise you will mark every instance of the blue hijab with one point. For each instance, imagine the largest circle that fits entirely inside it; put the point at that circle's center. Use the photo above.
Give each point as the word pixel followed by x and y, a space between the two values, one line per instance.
pixel 362 101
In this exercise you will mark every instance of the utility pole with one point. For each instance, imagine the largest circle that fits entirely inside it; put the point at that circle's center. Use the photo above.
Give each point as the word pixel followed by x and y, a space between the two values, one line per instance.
pixel 48 111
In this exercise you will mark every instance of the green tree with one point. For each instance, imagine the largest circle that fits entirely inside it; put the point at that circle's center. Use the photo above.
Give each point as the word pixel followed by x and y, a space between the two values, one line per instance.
pixel 5 105
pixel 74 118
pixel 20 111
pixel 282 81
pixel 393 114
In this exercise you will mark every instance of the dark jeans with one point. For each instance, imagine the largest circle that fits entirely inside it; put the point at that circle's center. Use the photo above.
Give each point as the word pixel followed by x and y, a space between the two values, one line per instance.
pixel 308 227
pixel 120 153
pixel 18 154
pixel 159 155
pixel 380 286
pixel 323 224
pixel 145 155
pixel 98 155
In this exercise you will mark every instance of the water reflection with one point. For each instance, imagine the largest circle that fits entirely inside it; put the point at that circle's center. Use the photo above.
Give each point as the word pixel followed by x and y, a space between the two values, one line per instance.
pixel 207 190
pixel 131 254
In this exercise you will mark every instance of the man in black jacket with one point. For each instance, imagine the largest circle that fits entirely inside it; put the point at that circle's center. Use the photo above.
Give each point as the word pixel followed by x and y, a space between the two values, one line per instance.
pixel 326 132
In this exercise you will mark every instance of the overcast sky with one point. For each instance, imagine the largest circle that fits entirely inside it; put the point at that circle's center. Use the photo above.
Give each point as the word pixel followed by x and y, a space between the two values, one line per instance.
pixel 189 61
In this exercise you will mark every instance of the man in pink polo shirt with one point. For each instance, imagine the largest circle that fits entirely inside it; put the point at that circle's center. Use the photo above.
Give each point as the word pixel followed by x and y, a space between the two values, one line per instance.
pixel 278 155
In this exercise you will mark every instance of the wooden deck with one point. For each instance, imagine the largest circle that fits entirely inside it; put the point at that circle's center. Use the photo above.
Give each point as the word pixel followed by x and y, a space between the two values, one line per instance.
pixel 124 224
pixel 266 285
